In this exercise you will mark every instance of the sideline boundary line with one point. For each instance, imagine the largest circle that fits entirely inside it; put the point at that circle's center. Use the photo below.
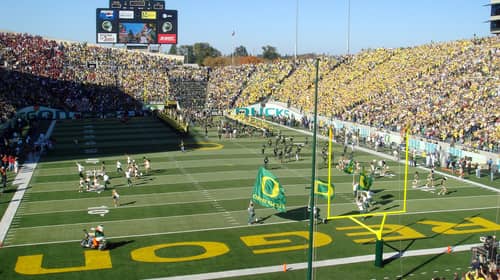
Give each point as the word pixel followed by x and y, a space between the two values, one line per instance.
pixel 316 264
pixel 22 179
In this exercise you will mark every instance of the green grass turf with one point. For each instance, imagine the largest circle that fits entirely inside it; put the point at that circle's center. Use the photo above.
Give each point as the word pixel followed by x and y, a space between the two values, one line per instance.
pixel 202 195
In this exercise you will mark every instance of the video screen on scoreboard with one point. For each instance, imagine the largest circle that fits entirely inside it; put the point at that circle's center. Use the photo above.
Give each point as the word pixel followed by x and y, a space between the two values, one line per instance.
pixel 137 33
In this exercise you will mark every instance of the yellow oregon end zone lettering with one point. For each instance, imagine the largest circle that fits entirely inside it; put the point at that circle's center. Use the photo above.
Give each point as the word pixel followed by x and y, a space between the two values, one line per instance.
pixel 320 239
pixel 148 254
pixel 476 225
pixel 32 265
pixel 205 146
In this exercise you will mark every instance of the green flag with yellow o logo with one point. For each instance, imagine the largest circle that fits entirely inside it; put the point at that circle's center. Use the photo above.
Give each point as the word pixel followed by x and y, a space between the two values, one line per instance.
pixel 324 190
pixel 268 191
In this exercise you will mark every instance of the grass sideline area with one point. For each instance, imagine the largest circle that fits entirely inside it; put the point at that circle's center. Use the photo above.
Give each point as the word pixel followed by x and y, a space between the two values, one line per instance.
pixel 189 214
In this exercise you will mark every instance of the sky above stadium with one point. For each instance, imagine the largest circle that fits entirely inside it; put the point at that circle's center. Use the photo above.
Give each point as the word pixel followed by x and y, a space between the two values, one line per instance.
pixel 322 24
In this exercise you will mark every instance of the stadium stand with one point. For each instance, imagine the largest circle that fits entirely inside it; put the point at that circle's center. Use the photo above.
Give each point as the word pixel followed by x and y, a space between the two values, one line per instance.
pixel 226 85
pixel 264 81
pixel 189 86
pixel 441 91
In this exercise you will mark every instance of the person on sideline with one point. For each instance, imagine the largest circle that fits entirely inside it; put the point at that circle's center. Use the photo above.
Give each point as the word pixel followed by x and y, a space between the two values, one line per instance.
pixel 251 213
pixel 116 198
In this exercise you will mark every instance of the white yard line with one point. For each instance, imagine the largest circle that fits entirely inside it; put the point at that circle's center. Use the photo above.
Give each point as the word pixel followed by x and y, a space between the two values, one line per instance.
pixel 205 192
pixel 316 264
pixel 347 195
pixel 210 229
pixel 22 180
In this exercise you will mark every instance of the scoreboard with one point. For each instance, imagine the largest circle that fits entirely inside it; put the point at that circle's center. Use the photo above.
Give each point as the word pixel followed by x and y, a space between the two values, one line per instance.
pixel 137 4
pixel 136 22
pixel 495 17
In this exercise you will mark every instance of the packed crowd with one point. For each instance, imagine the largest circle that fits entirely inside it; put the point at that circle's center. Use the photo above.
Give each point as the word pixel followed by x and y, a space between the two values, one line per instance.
pixel 441 91
pixel 445 92
pixel 298 89
pixel 264 81
pixel 77 77
pixel 226 85
pixel 188 86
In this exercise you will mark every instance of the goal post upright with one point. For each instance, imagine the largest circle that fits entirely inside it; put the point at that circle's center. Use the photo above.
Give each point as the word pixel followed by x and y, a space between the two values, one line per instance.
pixel 379 242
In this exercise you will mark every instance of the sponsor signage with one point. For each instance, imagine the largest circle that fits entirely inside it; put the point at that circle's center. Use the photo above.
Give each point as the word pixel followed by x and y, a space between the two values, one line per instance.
pixel 148 15
pixel 126 14
pixel 107 14
pixel 106 26
pixel 167 27
pixel 167 39
pixel 106 38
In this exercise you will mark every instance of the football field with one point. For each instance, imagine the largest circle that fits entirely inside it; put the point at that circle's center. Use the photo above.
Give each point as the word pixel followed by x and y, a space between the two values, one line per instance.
pixel 188 215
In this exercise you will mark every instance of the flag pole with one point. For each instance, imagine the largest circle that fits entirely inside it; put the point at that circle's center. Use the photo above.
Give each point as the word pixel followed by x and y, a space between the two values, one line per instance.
pixel 313 177
pixel 329 168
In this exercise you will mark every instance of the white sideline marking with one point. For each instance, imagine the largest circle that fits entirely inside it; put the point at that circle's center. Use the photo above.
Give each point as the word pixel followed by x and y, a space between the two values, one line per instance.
pixel 316 264
pixel 23 178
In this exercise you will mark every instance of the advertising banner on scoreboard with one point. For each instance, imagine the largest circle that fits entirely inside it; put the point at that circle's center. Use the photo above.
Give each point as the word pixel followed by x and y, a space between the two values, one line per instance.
pixel 106 14
pixel 106 26
pixel 148 15
pixel 106 38
pixel 167 27
pixel 125 14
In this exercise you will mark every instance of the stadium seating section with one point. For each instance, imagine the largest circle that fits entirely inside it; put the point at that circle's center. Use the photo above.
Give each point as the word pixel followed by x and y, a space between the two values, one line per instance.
pixel 442 91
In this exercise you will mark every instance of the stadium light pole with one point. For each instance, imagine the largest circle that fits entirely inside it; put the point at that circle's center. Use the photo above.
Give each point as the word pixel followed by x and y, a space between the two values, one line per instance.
pixel 233 47
pixel 348 25
pixel 296 29
pixel 313 178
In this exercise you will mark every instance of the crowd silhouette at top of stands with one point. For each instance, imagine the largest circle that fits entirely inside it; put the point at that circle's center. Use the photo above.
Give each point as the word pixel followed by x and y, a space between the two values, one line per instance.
pixel 440 91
